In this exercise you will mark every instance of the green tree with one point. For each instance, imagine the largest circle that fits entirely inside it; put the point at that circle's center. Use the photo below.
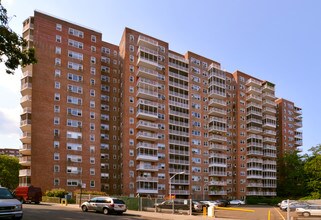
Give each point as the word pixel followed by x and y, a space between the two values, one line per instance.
pixel 9 171
pixel 291 176
pixel 11 46
pixel 313 170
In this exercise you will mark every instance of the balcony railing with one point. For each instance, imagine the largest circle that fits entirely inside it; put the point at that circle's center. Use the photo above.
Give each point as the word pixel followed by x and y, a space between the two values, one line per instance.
pixel 178 76
pixel 217 138
pixel 146 145
pixel 142 40
pixel 217 102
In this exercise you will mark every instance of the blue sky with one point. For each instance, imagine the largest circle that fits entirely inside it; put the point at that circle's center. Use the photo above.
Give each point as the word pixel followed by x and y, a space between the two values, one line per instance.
pixel 278 41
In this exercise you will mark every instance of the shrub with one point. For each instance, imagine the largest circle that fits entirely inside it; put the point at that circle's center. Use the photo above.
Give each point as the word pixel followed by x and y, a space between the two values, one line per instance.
pixel 90 192
pixel 56 193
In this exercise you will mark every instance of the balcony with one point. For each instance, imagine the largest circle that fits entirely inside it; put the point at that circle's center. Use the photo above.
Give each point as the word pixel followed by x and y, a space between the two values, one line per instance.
pixel 299 143
pixel 147 115
pixel 267 124
pixel 217 73
pixel 25 161
pixel 147 103
pixel 26 110
pixel 179 67
pixel 268 88
pixel 217 138
pixel 178 85
pixel 26 89
pixel 176 142
pixel 143 135
pixel 268 110
pixel 147 191
pixel 146 157
pixel 24 172
pixel 271 155
pixel 179 123
pixel 179 182
pixel 253 167
pixel 254 129
pixel 147 73
pixel 269 140
pixel 180 95
pixel 217 103
pixel 179 152
pixel 218 147
pixel 217 164
pixel 217 173
pixel 25 125
pixel 180 114
pixel 253 82
pixel 26 138
pixel 269 103
pixel 146 145
pixel 218 155
pixel 254 160
pixel 254 153
pixel 253 90
pixel 269 132
pixel 269 193
pixel 146 125
pixel 217 183
pixel 178 76
pixel 217 111
pixel 147 94
pixel 254 176
pixel 254 144
pixel 147 42
pixel 178 104
pixel 254 185
pixel 253 104
pixel 147 63
pixel 144 82
pixel 217 129
pixel 254 120
pixel 25 101
pixel 216 94
pixel 179 133
pixel 269 162
pixel 25 150
pixel 178 161
pixel 254 98
pixel 269 147
pixel 254 193
pixel 217 193
pixel 269 185
pixel 267 95
pixel 27 26
pixel 180 192
pixel 270 177
pixel 146 179
pixel 173 171
pixel 218 84
pixel 252 112
pixel 298 124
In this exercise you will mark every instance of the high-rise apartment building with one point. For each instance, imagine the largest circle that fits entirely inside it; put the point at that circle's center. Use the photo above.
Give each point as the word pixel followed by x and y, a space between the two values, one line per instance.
pixel 139 118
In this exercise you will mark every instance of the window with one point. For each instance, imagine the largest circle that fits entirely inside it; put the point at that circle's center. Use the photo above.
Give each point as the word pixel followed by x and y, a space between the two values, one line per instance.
pixel 57 73
pixel 58 50
pixel 56 144
pixel 57 61
pixel 56 182
pixel 56 120
pixel 92 171
pixel 93 49
pixel 75 55
pixel 76 33
pixel 56 156
pixel 131 48
pixel 93 60
pixel 57 97
pixel 56 168
pixel 93 38
pixel 58 27
pixel 58 38
pixel 57 85
pixel 75 43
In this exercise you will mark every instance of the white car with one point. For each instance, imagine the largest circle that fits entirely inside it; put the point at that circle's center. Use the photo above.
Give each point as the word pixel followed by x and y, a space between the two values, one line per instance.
pixel 237 202
pixel 9 206
pixel 105 205
pixel 309 210
pixel 210 203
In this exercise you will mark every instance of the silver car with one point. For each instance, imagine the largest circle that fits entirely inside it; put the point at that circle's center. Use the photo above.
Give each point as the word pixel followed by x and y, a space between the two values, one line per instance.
pixel 9 206
pixel 105 205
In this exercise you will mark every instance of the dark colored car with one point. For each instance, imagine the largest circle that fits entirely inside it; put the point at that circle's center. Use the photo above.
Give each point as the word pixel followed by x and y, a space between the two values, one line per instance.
pixel 105 205
pixel 9 206
pixel 222 202
pixel 179 205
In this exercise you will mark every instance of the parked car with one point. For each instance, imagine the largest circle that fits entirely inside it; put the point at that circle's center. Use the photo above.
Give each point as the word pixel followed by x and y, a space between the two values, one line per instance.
pixel 284 203
pixel 28 194
pixel 309 210
pixel 222 202
pixel 210 203
pixel 105 205
pixel 9 206
pixel 294 205
pixel 180 204
pixel 236 202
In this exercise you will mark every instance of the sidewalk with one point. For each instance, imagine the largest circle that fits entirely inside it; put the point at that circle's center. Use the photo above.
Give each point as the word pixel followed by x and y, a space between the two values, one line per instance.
pixel 154 215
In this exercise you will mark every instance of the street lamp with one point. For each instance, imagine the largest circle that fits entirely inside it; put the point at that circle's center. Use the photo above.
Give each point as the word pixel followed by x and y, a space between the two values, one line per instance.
pixel 170 183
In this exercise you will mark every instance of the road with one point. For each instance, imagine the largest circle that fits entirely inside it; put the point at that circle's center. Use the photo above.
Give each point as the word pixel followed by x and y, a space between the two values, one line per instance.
pixel 54 212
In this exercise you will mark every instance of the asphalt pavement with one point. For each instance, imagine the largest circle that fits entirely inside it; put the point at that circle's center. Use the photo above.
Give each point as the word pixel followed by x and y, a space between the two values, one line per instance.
pixel 154 215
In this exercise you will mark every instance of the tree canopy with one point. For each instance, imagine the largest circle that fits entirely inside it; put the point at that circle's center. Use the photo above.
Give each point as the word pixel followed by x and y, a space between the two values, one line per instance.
pixel 9 171
pixel 12 46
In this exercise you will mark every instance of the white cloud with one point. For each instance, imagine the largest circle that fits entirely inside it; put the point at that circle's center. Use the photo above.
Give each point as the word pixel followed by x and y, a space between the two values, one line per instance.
pixel 9 126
